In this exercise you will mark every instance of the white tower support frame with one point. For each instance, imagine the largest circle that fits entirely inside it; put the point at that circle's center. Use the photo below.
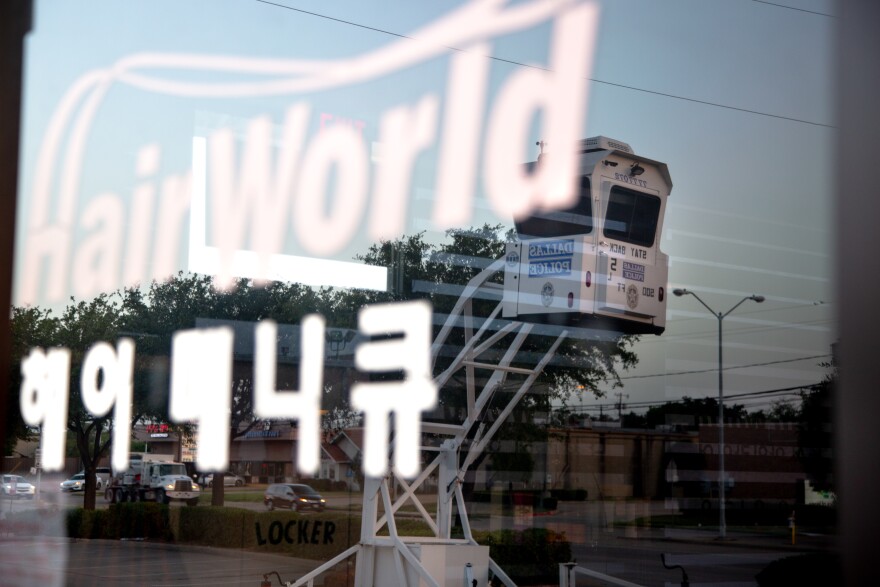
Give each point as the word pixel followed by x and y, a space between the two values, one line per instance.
pixel 418 560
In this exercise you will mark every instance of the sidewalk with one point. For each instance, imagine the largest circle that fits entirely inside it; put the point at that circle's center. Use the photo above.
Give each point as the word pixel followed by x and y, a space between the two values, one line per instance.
pixel 738 538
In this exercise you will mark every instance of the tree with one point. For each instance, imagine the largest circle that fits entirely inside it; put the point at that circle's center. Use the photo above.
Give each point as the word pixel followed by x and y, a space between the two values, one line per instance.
pixel 177 304
pixel 432 272
pixel 31 327
pixel 692 412
pixel 81 325
pixel 436 272
pixel 815 431
pixel 151 316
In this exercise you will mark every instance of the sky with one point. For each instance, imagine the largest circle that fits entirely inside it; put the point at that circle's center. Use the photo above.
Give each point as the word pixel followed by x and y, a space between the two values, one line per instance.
pixel 734 96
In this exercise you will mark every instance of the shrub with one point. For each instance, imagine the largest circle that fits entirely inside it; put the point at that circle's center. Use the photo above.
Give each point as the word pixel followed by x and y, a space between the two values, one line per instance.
pixel 82 523
pixel 214 526
pixel 312 536
pixel 820 568
pixel 527 556
pixel 131 520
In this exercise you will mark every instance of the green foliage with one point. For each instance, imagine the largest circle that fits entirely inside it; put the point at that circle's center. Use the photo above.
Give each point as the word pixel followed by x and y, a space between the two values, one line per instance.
pixel 137 520
pixel 819 568
pixel 214 526
pixel 83 523
pixel 435 272
pixel 31 327
pixel 527 556
pixel 815 433
pixel 699 410
pixel 151 315
pixel 141 520
pixel 313 536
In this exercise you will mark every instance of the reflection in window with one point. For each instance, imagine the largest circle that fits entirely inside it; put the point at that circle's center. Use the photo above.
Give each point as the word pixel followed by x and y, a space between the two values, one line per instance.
pixel 575 220
pixel 632 216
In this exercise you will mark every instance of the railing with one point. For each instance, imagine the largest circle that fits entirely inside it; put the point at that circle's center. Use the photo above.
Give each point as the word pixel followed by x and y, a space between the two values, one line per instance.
pixel 568 573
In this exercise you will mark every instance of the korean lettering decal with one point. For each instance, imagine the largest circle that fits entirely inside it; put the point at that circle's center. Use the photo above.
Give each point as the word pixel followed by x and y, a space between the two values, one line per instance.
pixel 201 372
pixel 305 404
pixel 43 398
pixel 410 353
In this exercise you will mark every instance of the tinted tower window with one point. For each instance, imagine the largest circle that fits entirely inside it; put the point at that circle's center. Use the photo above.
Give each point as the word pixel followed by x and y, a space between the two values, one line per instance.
pixel 632 216
pixel 575 220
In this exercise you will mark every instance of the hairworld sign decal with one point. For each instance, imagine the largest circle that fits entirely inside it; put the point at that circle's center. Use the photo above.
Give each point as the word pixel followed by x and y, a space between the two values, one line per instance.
pixel 251 198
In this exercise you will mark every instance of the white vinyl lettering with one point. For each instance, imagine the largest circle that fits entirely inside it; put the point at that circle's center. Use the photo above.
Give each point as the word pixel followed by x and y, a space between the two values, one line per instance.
pixel 201 390
pixel 117 367
pixel 201 382
pixel 43 399
pixel 303 405
pixel 247 195
pixel 459 152
pixel 404 399
pixel 256 194
pixel 321 232
pixel 404 132
pixel 561 93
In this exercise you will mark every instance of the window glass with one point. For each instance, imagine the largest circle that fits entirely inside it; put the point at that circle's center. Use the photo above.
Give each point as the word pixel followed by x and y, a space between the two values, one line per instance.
pixel 577 219
pixel 632 216
pixel 277 239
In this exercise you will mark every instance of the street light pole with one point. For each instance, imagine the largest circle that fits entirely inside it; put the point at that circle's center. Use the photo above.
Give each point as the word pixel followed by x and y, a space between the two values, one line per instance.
pixel 722 519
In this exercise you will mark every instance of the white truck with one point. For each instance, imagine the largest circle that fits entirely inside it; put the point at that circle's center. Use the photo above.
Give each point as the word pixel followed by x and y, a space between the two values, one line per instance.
pixel 153 477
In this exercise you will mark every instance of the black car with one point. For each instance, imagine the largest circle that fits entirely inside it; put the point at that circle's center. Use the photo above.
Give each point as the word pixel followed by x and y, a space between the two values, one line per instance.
pixel 294 496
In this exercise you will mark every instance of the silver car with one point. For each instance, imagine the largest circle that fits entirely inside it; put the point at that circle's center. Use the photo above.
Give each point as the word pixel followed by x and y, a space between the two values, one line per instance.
pixel 229 480
pixel 14 487
pixel 78 483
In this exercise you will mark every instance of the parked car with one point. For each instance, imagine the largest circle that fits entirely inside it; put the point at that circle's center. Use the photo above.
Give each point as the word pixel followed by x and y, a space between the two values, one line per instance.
pixel 104 474
pixel 294 496
pixel 14 486
pixel 229 480
pixel 78 483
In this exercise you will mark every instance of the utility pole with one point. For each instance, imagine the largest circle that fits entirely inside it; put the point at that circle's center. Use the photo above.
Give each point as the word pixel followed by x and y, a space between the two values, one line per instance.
pixel 620 405
pixel 720 316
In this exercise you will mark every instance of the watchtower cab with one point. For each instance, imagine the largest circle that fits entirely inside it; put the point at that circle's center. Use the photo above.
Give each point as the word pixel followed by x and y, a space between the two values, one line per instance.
pixel 597 264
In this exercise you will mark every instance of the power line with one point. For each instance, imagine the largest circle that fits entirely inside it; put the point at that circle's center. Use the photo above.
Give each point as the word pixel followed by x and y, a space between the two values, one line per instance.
pixel 744 330
pixel 674 373
pixel 795 8
pixel 736 331
pixel 598 81
pixel 745 395
pixel 348 22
